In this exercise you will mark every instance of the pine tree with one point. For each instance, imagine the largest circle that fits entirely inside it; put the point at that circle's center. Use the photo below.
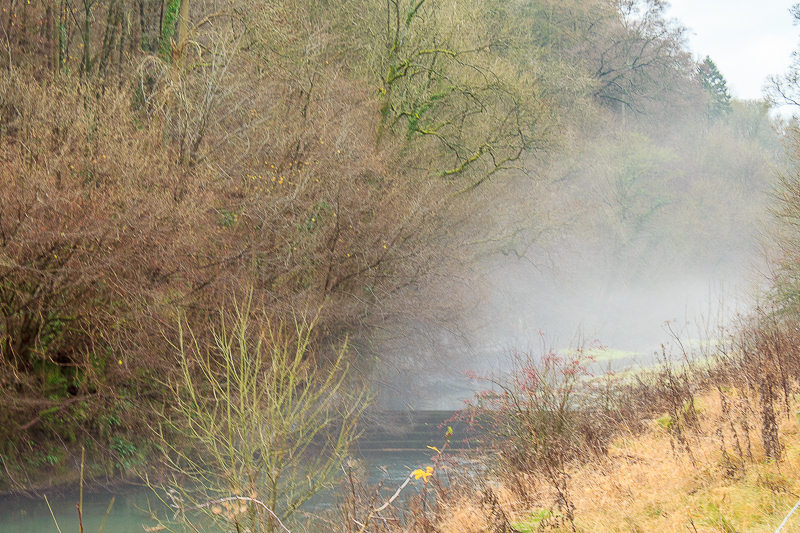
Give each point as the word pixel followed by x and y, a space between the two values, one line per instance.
pixel 716 86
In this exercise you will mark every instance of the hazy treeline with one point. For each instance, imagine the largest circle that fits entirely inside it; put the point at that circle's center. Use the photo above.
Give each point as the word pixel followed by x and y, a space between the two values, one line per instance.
pixel 652 196
pixel 162 158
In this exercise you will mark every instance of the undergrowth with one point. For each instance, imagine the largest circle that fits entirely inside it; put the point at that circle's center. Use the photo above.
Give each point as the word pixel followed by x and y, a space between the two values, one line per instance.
pixel 704 441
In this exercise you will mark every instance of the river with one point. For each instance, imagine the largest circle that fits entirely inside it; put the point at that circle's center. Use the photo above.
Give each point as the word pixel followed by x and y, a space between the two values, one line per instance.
pixel 388 452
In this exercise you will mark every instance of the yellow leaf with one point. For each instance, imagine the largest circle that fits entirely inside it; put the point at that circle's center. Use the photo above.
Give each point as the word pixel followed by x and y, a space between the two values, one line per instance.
pixel 424 474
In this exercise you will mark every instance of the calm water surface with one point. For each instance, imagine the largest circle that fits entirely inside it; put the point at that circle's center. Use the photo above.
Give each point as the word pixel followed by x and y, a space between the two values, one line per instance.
pixel 392 465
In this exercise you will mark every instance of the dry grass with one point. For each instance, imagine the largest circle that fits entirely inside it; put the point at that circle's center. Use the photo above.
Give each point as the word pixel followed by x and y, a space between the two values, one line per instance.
pixel 644 486
pixel 648 484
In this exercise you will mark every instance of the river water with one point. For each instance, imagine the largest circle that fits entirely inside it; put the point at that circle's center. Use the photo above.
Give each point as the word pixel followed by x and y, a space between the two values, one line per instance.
pixel 387 454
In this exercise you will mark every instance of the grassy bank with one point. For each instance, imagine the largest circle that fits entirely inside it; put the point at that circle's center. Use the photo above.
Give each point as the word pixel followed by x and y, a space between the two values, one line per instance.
pixel 645 483
pixel 701 442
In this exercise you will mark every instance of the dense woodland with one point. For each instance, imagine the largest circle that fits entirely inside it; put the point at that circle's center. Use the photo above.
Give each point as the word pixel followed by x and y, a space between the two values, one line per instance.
pixel 161 160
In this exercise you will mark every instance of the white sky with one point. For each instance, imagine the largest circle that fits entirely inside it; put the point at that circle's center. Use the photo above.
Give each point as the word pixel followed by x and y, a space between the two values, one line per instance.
pixel 747 39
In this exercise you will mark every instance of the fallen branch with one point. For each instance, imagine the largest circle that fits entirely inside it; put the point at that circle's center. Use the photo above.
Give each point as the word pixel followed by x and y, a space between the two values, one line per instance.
pixel 386 504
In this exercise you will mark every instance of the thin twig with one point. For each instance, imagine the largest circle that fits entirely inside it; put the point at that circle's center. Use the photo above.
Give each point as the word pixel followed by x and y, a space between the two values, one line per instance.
pixel 363 526
pixel 80 500
pixel 787 517
pixel 105 516
pixel 52 514
pixel 394 496
pixel 8 473
pixel 384 506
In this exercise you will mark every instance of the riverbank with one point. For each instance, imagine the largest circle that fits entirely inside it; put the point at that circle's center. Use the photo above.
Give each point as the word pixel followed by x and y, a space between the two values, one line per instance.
pixel 706 469
pixel 63 475
pixel 650 482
